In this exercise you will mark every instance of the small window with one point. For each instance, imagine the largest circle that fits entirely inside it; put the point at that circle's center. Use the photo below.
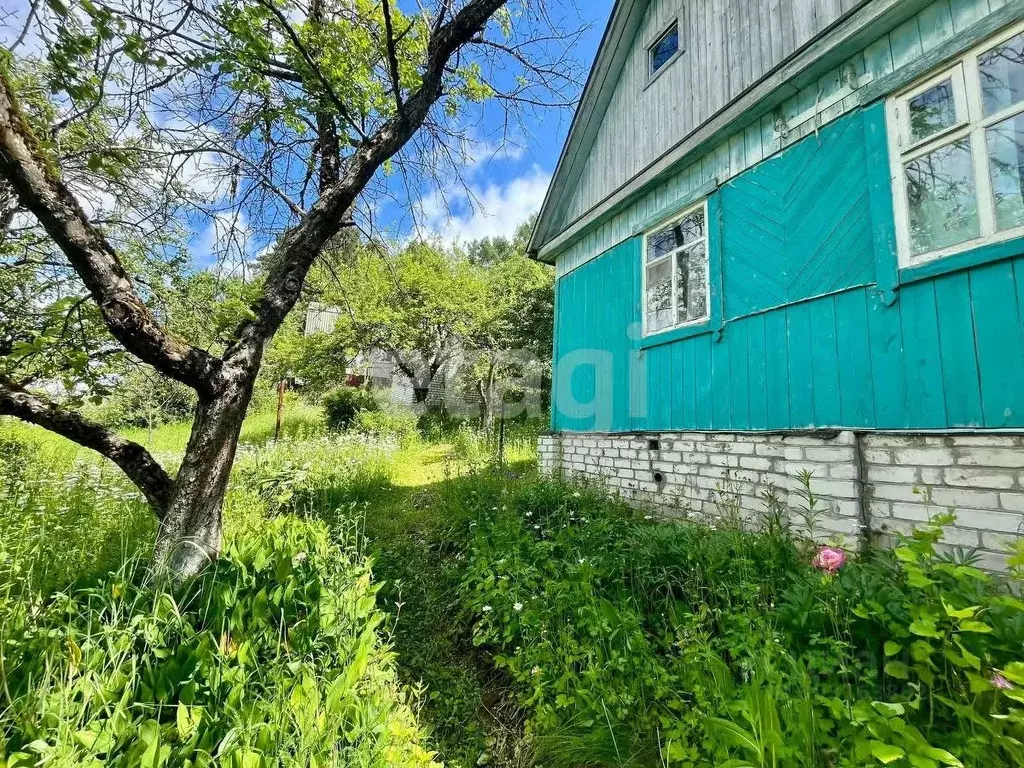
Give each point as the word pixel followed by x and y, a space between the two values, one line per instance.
pixel 675 272
pixel 664 48
pixel 957 151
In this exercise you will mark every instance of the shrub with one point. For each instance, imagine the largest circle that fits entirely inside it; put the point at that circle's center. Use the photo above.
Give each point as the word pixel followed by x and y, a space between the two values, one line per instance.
pixel 436 424
pixel 146 400
pixel 391 421
pixel 270 658
pixel 342 405
pixel 632 641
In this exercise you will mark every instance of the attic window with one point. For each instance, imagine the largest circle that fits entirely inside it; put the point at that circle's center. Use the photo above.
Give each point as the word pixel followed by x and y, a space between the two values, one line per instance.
pixel 664 48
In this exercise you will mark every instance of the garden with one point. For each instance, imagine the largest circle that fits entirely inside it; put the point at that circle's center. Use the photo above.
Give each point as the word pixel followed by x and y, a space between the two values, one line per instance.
pixel 384 599
pixel 269 410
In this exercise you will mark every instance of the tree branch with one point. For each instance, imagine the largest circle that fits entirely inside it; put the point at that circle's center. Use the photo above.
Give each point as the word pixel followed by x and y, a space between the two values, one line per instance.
pixel 134 460
pixel 299 247
pixel 41 190
pixel 389 31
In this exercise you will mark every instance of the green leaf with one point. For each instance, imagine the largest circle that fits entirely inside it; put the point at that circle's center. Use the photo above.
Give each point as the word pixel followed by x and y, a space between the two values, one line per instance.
pixel 736 735
pixel 1014 672
pixel 892 648
pixel 886 753
pixel 888 710
pixel 897 669
pixel 943 757
pixel 975 626
pixel 962 613
pixel 925 628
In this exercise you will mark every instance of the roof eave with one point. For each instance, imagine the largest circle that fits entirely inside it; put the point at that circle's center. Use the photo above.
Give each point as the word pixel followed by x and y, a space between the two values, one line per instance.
pixel 625 14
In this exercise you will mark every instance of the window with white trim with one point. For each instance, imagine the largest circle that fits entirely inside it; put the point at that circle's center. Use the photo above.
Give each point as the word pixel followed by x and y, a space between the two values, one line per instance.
pixel 662 50
pixel 675 272
pixel 957 152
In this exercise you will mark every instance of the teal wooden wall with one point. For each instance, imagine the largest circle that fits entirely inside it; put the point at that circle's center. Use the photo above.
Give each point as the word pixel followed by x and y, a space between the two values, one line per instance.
pixel 817 327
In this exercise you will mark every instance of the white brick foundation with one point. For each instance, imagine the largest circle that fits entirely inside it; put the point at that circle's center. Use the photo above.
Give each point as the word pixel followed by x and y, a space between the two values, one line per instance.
pixel 870 484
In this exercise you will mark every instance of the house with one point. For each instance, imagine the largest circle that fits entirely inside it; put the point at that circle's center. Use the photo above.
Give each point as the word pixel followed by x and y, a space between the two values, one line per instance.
pixel 379 371
pixel 789 237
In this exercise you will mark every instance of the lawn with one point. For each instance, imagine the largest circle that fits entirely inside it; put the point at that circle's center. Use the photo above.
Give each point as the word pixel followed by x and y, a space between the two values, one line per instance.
pixel 403 602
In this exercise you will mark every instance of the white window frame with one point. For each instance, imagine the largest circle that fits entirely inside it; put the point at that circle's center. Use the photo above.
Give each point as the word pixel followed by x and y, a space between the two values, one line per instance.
pixel 971 124
pixel 671 257
pixel 652 73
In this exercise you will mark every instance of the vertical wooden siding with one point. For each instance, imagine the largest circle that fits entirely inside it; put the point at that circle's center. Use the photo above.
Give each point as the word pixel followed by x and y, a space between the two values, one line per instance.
pixel 947 353
pixel 799 225
pixel 913 39
pixel 727 46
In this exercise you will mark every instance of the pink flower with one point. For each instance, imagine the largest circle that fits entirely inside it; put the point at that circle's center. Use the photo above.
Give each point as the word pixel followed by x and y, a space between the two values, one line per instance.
pixel 1001 682
pixel 829 559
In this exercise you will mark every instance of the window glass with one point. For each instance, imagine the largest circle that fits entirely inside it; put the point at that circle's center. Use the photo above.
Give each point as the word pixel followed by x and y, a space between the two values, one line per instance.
pixel 691 284
pixel 665 48
pixel 661 244
pixel 676 274
pixel 659 295
pixel 691 228
pixel 675 236
pixel 1001 70
pixel 932 111
pixel 940 196
pixel 1006 166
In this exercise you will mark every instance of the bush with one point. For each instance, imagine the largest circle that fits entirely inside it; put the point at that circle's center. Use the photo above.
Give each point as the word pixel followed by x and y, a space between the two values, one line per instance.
pixel 342 405
pixel 270 658
pixel 391 421
pixel 634 642
pixel 437 424
pixel 145 399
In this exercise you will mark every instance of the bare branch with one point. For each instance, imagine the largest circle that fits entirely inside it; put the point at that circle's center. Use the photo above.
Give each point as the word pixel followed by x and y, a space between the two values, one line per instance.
pixel 396 81
pixel 42 191
pixel 299 247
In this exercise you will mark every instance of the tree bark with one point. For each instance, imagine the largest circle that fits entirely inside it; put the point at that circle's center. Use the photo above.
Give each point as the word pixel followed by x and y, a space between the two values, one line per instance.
pixel 485 389
pixel 190 533
pixel 190 507
pixel 134 460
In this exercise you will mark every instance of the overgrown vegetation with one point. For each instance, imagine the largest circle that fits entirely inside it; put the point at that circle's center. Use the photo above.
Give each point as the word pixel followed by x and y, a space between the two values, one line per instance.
pixel 271 657
pixel 513 621
pixel 636 642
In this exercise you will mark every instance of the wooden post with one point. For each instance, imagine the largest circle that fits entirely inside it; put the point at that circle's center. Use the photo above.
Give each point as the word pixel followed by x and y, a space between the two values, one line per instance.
pixel 281 385
pixel 501 435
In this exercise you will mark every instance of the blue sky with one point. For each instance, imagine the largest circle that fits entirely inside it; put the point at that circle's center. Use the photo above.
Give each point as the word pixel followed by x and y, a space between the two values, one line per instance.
pixel 501 183
pixel 504 183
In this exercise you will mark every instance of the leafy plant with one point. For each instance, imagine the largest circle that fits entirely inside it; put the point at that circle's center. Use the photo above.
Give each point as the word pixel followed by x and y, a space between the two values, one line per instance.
pixel 271 658
pixel 342 405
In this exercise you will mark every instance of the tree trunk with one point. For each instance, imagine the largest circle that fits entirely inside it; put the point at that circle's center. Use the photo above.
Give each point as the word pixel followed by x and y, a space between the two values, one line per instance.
pixel 485 388
pixel 190 533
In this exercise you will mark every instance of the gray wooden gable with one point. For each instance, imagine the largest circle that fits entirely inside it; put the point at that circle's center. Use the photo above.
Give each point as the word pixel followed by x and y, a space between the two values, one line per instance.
pixel 629 128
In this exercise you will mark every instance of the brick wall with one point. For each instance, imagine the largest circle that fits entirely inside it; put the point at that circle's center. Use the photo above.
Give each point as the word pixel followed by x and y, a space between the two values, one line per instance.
pixel 865 485
pixel 981 477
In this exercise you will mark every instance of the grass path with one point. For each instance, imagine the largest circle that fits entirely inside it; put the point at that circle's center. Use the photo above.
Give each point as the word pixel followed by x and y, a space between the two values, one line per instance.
pixel 410 535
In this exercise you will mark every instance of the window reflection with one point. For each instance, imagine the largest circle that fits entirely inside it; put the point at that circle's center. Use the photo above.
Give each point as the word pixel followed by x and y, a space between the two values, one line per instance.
pixel 665 48
pixel 1002 75
pixel 932 111
pixel 1006 165
pixel 941 199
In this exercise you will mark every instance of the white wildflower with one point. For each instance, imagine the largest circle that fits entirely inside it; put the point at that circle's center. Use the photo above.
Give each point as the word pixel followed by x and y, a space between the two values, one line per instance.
pixel 517 607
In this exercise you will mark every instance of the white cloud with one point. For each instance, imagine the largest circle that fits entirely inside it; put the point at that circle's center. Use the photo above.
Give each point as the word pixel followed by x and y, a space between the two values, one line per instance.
pixel 457 216
pixel 479 152
pixel 224 247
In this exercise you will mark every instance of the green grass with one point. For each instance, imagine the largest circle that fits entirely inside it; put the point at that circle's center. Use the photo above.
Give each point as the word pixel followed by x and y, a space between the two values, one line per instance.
pixel 526 621
pixel 71 517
